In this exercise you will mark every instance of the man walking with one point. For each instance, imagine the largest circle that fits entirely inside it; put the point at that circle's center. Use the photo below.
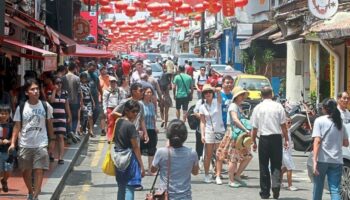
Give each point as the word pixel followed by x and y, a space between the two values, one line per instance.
pixel 343 102
pixel 182 90
pixel 269 121
pixel 33 129
pixel 226 95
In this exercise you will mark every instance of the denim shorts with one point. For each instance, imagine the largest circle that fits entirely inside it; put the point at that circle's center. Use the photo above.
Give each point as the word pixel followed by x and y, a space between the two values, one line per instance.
pixel 5 166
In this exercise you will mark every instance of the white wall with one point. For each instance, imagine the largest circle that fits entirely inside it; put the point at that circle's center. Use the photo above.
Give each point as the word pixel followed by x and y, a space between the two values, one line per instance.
pixel 295 83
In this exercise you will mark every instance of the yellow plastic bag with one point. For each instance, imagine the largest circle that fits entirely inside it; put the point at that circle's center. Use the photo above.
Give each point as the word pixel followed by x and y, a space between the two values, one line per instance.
pixel 108 166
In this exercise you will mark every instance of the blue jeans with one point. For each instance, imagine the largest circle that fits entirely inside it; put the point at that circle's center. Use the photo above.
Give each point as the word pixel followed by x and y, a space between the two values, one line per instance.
pixel 74 108
pixel 333 172
pixel 125 192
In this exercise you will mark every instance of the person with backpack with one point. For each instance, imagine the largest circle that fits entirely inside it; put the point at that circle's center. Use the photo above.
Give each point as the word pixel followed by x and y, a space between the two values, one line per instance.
pixel 201 79
pixel 33 129
pixel 110 99
pixel 166 102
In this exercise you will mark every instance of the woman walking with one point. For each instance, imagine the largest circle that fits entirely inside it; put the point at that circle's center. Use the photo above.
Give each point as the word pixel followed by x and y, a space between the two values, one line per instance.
pixel 149 148
pixel 176 163
pixel 212 128
pixel 61 117
pixel 126 139
pixel 329 137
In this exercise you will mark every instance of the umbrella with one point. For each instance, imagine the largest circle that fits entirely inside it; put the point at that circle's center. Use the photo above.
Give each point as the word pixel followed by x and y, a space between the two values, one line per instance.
pixel 139 55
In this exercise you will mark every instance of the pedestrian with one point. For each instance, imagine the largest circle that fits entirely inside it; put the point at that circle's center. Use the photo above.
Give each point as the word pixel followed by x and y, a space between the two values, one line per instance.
pixel 170 67
pixel 212 128
pixel 154 84
pixel 200 81
pixel 149 149
pixel 33 129
pixel 269 121
pixel 6 157
pixel 58 99
pixel 226 94
pixel 126 137
pixel 136 75
pixel 166 102
pixel 176 163
pixel 126 68
pixel 182 90
pixel 343 102
pixel 239 158
pixel 71 84
pixel 329 137
pixel 86 113
pixel 124 87
pixel 287 162
pixel 199 143
pixel 104 84
pixel 110 100
pixel 189 69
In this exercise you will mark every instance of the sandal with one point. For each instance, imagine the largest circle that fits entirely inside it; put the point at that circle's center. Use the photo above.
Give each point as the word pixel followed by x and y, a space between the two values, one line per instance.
pixel 162 124
pixel 51 158
pixel 60 162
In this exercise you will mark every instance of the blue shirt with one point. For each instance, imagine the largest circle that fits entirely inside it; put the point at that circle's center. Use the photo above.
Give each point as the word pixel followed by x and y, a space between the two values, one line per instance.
pixel 150 115
pixel 226 101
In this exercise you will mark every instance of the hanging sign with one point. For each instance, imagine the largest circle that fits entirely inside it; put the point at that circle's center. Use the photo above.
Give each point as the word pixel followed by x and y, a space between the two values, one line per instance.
pixel 50 63
pixel 92 18
pixel 323 9
pixel 228 8
pixel 81 28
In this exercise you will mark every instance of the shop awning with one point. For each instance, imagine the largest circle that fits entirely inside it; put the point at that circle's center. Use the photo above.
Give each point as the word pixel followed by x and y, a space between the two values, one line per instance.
pixel 270 30
pixel 337 27
pixel 84 51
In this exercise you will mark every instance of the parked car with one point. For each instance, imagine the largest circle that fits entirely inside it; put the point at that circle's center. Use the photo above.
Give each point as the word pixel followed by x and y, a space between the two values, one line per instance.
pixel 180 58
pixel 223 70
pixel 252 83
pixel 157 70
pixel 153 57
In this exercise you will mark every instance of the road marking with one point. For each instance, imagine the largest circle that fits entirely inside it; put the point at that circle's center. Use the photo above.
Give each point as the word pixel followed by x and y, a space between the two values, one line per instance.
pixel 94 162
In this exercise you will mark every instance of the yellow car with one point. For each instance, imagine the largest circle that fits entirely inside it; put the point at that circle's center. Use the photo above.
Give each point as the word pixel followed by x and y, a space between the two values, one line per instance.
pixel 252 83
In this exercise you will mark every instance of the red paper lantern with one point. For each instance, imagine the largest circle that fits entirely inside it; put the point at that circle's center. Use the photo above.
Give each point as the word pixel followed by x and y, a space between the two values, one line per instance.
pixel 241 3
pixel 162 16
pixel 215 8
pixel 178 20
pixel 177 29
pixel 140 5
pixel 228 8
pixel 121 5
pixel 155 7
pixel 155 22
pixel 197 17
pixel 184 9
pixel 205 5
pixel 130 11
pixel 108 22
pixel 92 2
pixel 124 28
pixel 105 9
pixel 113 26
pixel 199 8
pixel 141 21
pixel 103 2
pixel 165 33
pixel 185 24
pixel 175 3
pixel 167 7
pixel 143 27
pixel 155 14
pixel 132 22
pixel 119 22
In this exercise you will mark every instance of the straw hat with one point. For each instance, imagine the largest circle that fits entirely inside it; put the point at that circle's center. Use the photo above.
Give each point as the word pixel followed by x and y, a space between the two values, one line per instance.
pixel 238 91
pixel 243 141
pixel 208 87
pixel 112 78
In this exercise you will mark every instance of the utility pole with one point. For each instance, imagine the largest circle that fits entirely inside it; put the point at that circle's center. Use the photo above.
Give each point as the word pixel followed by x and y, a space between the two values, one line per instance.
pixel 234 34
pixel 202 35
pixel 2 18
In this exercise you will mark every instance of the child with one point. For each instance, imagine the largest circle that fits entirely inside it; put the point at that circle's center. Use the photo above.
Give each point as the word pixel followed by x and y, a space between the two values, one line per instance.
pixel 88 105
pixel 287 162
pixel 6 158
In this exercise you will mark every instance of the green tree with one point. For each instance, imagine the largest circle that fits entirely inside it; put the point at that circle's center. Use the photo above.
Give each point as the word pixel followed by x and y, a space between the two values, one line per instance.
pixel 268 57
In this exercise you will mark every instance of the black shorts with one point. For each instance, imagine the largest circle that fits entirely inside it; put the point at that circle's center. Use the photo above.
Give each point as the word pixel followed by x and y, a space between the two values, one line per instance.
pixel 182 102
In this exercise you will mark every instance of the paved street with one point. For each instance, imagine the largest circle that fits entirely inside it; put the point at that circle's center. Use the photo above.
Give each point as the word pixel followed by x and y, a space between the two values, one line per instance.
pixel 87 181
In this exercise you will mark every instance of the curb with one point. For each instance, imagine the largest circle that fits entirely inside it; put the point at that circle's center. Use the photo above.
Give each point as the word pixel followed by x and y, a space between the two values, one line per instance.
pixel 51 190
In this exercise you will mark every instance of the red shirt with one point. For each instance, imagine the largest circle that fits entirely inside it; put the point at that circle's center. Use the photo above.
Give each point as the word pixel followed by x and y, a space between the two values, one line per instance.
pixel 190 70
pixel 126 68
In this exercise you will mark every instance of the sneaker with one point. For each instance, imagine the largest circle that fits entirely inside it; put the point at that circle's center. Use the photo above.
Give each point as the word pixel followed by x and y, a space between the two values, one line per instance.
pixel 218 180
pixel 292 188
pixel 234 184
pixel 139 188
pixel 30 197
pixel 4 185
pixel 276 193
pixel 207 178
pixel 240 181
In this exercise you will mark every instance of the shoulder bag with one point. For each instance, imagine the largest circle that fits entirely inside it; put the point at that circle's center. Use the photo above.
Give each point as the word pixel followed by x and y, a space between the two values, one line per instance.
pixel 160 194
pixel 121 157
pixel 108 166
pixel 189 94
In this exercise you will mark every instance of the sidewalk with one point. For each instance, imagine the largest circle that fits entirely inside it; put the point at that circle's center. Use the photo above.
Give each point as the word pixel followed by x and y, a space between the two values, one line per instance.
pixel 53 178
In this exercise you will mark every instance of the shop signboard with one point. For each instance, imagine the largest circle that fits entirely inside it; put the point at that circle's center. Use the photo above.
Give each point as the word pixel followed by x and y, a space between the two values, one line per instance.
pixel 50 62
pixel 323 9
pixel 81 28
pixel 92 18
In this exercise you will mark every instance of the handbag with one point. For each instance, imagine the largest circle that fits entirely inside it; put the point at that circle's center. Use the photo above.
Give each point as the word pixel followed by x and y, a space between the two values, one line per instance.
pixel 108 166
pixel 218 135
pixel 121 157
pixel 189 94
pixel 160 194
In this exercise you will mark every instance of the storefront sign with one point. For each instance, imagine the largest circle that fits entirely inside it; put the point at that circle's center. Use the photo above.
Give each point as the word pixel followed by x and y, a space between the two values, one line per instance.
pixel 50 63
pixel 81 28
pixel 323 9
pixel 92 18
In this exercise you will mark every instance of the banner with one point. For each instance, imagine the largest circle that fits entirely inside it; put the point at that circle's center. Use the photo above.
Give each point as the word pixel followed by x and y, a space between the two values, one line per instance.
pixel 92 18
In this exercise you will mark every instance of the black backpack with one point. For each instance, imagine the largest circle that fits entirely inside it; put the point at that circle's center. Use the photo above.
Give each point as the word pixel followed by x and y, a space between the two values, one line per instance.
pixel 193 121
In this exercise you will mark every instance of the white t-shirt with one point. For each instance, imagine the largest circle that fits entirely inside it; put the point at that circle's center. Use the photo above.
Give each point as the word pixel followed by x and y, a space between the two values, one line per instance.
pixel 33 134
pixel 214 120
pixel 267 117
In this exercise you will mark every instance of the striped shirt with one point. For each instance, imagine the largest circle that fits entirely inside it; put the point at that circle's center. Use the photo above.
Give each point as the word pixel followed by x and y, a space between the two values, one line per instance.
pixel 59 112
pixel 87 99
pixel 150 115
